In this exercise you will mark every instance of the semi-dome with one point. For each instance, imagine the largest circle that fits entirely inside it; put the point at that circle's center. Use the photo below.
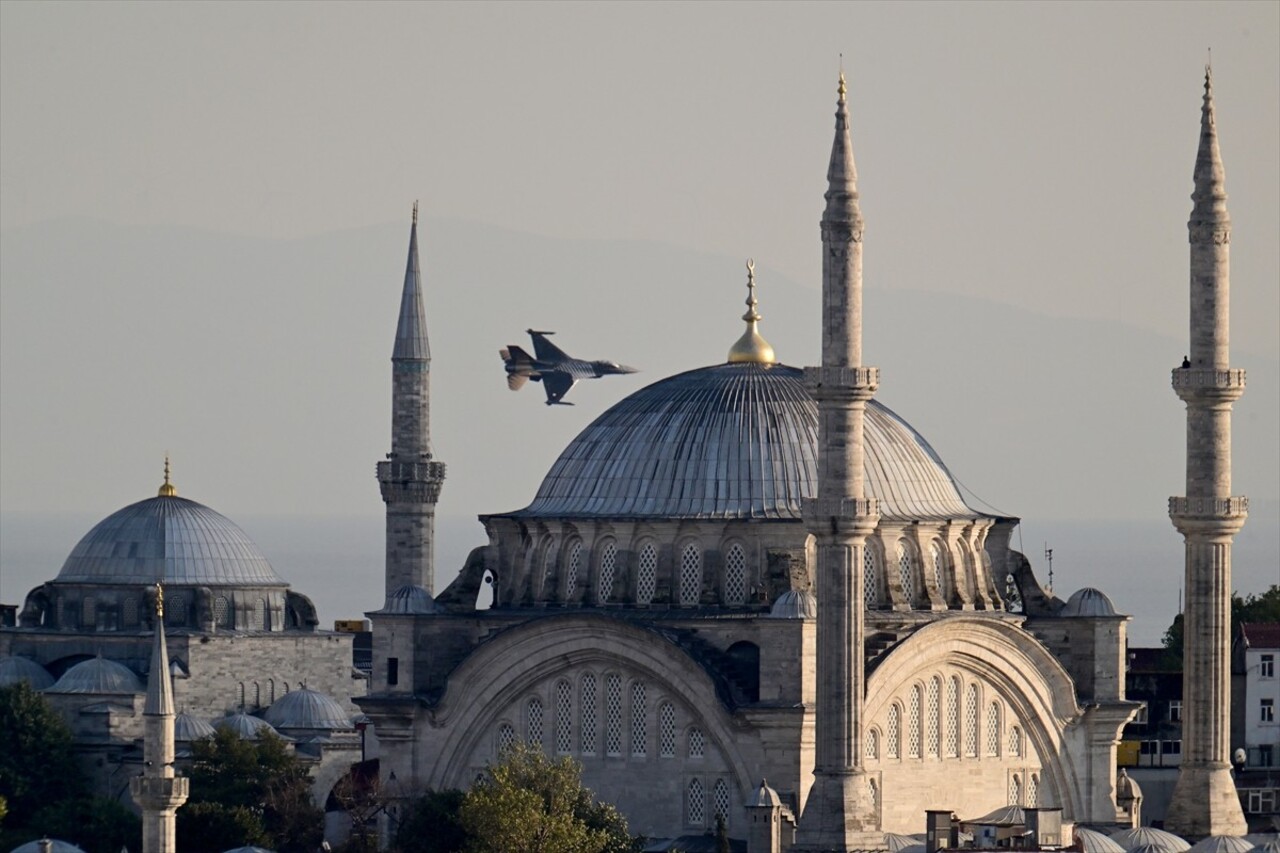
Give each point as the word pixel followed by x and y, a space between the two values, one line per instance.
pixel 18 668
pixel 98 675
pixel 245 725
pixel 1088 602
pixel 736 440
pixel 307 709
pixel 795 604
pixel 187 728
pixel 170 540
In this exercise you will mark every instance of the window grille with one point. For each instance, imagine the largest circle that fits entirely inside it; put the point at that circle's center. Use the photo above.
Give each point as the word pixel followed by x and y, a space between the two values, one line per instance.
pixel 697 807
pixel 1033 791
pixel 646 574
pixel 131 611
pixel 904 572
pixel 870 584
pixel 735 576
pixel 690 574
pixel 1015 742
pixel 953 717
pixel 506 737
pixel 873 745
pixel 222 612
pixel 893 732
pixel 89 611
pixel 535 721
pixel 571 574
pixel 175 609
pixel 588 714
pixel 697 743
pixel 913 722
pixel 613 714
pixel 993 729
pixel 639 722
pixel 564 718
pixel 971 721
pixel 1015 789
pixel 933 721
pixel 720 795
pixel 259 615
pixel 667 730
pixel 608 565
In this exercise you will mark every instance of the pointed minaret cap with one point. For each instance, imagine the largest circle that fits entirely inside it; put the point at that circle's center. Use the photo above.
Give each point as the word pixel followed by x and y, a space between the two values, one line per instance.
pixel 159 686
pixel 167 489
pixel 842 174
pixel 411 330
pixel 751 348
pixel 1210 193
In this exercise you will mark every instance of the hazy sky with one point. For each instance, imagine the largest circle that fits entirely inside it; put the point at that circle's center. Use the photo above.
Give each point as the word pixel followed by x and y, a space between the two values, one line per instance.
pixel 1037 155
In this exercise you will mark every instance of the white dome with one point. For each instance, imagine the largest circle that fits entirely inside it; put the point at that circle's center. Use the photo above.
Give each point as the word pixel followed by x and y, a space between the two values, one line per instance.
pixel 1088 602
pixel 98 675
pixel 795 604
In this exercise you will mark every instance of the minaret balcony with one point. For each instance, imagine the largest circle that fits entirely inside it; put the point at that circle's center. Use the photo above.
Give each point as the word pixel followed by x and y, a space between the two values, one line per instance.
pixel 1209 515
pixel 160 792
pixel 1208 383
pixel 838 383
pixel 410 472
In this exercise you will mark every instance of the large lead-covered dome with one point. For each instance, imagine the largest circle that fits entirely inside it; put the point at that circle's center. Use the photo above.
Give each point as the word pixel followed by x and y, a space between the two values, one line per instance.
pixel 733 441
pixel 171 540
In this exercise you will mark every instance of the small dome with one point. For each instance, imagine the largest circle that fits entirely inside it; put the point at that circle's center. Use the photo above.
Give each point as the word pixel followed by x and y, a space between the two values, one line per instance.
pixel 1092 841
pixel 55 846
pixel 410 599
pixel 98 675
pixel 1088 602
pixel 1126 788
pixel 17 668
pixel 187 728
pixel 1271 846
pixel 766 797
pixel 171 540
pixel 246 726
pixel 307 709
pixel 1144 836
pixel 795 604
pixel 1222 844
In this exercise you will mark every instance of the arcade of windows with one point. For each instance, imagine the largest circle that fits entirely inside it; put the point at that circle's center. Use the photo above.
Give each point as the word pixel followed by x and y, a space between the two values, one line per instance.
pixel 943 565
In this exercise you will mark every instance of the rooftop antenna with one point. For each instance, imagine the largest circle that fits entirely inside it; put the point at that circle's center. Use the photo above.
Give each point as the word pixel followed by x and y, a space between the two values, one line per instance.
pixel 1048 555
pixel 415 211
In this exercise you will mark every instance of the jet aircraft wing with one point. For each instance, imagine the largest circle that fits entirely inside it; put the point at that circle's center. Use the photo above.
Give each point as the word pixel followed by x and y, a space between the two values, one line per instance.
pixel 557 383
pixel 545 350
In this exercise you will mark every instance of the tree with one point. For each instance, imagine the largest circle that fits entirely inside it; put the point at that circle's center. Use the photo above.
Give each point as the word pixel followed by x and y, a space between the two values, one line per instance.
pixel 527 803
pixel 431 824
pixel 258 791
pixel 1262 607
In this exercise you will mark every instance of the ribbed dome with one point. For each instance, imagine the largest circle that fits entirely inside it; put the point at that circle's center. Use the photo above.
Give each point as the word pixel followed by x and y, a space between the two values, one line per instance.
pixel 795 604
pixel 168 539
pixel 1132 839
pixel 244 725
pixel 17 668
pixel 307 709
pixel 410 599
pixel 187 728
pixel 98 675
pixel 1092 841
pixel 55 846
pixel 1088 602
pixel 732 441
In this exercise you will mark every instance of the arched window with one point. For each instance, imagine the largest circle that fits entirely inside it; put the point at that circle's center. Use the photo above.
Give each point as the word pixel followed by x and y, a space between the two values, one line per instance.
pixel 571 571
pixel 257 695
pixel 130 611
pixel 588 713
pixel 1015 789
pixel 870 577
pixel 939 569
pixel 266 614
pixel 613 714
pixel 271 687
pixel 506 738
pixel 285 685
pixel 913 722
pixel 534 721
pixel 89 608
pixel 893 732
pixel 608 566
pixel 646 573
pixel 933 719
pixel 175 609
pixel 564 717
pixel 690 575
pixel 696 805
pixel 720 795
pixel 241 697
pixel 222 612
pixel 1015 742
pixel 971 720
pixel 639 721
pixel 697 743
pixel 905 573
pixel 735 575
pixel 1033 791
pixel 953 717
pixel 667 730
pixel 993 729
pixel 873 744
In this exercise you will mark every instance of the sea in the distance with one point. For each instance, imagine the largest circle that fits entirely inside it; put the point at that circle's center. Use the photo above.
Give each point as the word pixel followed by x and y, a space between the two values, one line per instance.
pixel 338 561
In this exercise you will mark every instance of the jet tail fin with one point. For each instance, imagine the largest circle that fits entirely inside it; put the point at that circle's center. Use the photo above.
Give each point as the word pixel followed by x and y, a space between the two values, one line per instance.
pixel 515 355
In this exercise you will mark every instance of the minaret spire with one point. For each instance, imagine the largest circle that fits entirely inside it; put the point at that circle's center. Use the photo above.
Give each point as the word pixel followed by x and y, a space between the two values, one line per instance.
pixel 839 814
pixel 410 479
pixel 1204 799
pixel 157 790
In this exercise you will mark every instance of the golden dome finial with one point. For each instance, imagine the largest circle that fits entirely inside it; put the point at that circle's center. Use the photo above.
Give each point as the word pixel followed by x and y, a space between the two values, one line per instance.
pixel 167 490
pixel 842 88
pixel 751 348
pixel 159 601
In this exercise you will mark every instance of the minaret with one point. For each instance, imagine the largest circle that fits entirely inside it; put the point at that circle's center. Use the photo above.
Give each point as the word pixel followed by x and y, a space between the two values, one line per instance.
pixel 839 814
pixel 410 480
pixel 157 791
pixel 1204 799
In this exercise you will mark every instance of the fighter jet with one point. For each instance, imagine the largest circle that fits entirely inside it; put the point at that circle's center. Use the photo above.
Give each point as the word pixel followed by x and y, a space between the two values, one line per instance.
pixel 553 367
